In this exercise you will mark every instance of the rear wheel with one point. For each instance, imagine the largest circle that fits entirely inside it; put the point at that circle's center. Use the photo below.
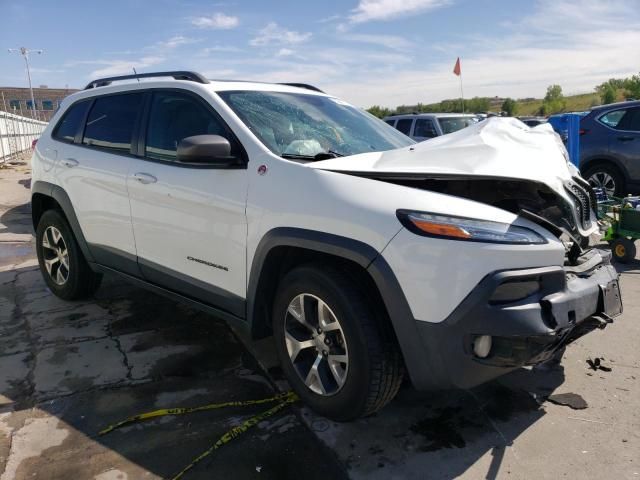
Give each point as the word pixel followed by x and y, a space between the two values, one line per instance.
pixel 623 249
pixel 62 264
pixel 606 177
pixel 336 348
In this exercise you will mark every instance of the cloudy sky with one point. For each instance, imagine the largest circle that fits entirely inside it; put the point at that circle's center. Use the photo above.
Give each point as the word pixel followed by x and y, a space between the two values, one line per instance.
pixel 386 52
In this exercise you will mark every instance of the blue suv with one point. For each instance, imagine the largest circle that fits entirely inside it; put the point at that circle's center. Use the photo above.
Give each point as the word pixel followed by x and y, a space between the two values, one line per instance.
pixel 610 147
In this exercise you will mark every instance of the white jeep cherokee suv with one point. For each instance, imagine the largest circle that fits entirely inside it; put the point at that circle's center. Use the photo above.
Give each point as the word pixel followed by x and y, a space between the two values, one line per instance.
pixel 294 214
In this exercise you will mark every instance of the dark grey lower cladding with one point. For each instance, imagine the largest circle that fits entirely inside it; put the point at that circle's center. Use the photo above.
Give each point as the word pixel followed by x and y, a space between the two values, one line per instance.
pixel 168 279
pixel 568 304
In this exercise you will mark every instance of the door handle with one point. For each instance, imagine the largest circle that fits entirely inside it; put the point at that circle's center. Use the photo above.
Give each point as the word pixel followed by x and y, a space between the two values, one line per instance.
pixel 625 138
pixel 145 178
pixel 70 162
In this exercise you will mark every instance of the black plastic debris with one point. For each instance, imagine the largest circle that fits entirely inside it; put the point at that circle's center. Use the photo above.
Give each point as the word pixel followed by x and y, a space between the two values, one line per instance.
pixel 596 364
pixel 571 400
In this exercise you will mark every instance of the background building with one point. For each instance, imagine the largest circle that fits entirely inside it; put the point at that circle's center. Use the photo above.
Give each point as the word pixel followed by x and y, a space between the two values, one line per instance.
pixel 18 101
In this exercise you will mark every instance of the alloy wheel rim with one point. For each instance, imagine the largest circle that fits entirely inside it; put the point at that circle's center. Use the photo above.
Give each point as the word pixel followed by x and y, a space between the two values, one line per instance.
pixel 316 344
pixel 55 255
pixel 603 180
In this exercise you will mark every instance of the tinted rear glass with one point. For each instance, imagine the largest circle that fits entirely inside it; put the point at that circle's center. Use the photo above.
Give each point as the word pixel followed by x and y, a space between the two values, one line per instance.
pixel 453 124
pixel 68 126
pixel 111 121
pixel 612 119
pixel 404 125
pixel 424 128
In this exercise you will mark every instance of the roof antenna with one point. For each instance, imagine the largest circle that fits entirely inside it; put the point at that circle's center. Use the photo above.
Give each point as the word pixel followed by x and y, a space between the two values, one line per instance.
pixel 135 73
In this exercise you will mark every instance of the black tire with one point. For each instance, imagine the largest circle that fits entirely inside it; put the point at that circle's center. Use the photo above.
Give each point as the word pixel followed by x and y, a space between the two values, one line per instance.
pixel 596 173
pixel 623 250
pixel 80 281
pixel 375 366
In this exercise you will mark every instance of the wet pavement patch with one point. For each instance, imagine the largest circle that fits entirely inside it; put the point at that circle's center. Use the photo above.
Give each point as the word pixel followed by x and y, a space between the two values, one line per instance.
pixel 572 400
pixel 440 431
pixel 505 402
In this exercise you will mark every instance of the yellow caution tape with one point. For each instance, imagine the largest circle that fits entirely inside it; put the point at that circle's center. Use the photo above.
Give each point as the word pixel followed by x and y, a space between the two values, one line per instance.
pixel 285 399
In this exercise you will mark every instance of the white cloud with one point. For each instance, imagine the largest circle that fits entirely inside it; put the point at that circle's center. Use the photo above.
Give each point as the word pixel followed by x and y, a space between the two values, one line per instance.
pixel 389 41
pixel 175 42
pixel 368 10
pixel 218 49
pixel 217 21
pixel 273 34
pixel 119 67
pixel 285 52
pixel 557 43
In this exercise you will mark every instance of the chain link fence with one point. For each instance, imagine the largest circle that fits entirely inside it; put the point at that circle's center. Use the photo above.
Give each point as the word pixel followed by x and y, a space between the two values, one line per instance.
pixel 17 134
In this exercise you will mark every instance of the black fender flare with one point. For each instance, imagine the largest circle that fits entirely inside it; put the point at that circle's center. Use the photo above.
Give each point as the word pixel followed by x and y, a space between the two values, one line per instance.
pixel 369 258
pixel 60 196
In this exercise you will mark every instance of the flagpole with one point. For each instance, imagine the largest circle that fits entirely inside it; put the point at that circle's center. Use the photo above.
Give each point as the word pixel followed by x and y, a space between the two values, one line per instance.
pixel 461 91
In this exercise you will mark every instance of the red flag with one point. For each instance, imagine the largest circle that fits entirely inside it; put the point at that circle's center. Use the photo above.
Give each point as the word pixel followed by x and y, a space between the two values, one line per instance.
pixel 456 69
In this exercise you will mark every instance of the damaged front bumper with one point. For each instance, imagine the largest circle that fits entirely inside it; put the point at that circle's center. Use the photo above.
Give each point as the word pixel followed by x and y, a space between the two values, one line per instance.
pixel 515 318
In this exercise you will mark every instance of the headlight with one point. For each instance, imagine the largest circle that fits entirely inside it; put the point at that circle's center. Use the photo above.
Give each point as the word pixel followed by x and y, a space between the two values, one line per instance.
pixel 470 229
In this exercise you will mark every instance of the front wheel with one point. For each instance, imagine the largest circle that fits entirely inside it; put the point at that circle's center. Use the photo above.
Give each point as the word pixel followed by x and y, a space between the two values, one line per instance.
pixel 607 178
pixel 335 345
pixel 623 250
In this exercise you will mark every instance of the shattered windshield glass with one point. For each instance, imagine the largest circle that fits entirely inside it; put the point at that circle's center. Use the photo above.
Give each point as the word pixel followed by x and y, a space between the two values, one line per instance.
pixel 311 126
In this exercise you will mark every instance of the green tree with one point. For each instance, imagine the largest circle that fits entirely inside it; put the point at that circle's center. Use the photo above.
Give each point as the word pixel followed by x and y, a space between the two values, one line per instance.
pixel 510 107
pixel 608 94
pixel 632 86
pixel 379 111
pixel 554 101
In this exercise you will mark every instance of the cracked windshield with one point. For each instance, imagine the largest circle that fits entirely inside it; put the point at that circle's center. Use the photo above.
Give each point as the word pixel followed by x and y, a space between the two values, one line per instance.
pixel 312 127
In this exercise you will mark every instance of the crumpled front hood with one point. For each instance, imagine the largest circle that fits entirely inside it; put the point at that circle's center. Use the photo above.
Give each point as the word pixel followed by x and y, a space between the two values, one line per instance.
pixel 496 147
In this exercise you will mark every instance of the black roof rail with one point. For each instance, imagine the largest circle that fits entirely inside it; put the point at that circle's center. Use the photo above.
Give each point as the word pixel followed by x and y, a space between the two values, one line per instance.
pixel 302 85
pixel 178 75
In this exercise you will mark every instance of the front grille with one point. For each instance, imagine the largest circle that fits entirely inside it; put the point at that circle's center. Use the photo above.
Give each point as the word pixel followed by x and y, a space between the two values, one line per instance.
pixel 584 200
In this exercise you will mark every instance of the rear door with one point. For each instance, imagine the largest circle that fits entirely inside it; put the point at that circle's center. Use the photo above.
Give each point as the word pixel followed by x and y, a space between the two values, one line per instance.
pixel 424 129
pixel 404 125
pixel 189 220
pixel 624 138
pixel 93 168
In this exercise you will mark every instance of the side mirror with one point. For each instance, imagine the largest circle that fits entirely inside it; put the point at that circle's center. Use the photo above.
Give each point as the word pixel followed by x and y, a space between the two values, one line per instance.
pixel 206 149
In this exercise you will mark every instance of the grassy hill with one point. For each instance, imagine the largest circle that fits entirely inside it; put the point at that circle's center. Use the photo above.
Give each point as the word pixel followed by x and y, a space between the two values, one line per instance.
pixel 575 103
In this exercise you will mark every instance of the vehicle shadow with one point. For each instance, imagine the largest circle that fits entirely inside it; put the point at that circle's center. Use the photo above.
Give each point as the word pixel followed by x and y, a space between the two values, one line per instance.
pixel 17 220
pixel 442 433
pixel 70 369
pixel 125 351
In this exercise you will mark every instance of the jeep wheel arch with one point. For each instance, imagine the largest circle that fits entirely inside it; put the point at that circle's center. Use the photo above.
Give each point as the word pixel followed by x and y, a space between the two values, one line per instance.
pixel 45 195
pixel 270 258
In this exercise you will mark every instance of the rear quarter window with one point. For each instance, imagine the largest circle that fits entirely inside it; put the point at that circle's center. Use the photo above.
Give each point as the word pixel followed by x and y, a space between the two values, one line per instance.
pixel 69 124
pixel 613 119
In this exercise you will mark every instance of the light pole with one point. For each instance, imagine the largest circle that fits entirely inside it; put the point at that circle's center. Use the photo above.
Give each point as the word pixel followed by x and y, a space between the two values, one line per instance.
pixel 25 53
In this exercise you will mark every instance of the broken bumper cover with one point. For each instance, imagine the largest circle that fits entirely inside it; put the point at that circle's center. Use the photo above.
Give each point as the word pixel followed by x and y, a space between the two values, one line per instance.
pixel 529 314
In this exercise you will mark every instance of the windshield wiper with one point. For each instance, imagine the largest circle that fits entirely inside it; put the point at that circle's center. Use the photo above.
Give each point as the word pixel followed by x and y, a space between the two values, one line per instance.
pixel 313 158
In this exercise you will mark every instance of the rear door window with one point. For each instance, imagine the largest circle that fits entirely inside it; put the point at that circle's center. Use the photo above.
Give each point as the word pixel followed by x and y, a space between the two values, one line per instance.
pixel 111 122
pixel 391 122
pixel 631 120
pixel 425 128
pixel 70 124
pixel 612 119
pixel 404 125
